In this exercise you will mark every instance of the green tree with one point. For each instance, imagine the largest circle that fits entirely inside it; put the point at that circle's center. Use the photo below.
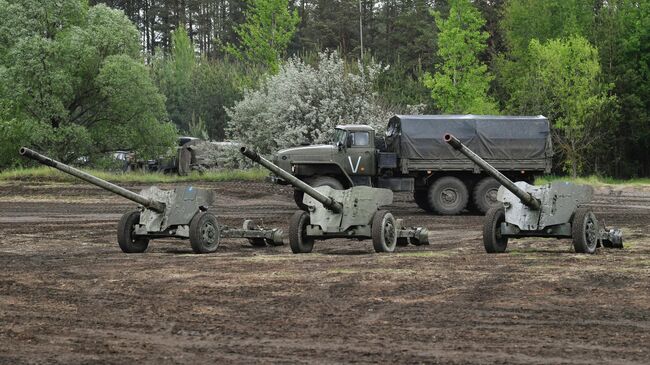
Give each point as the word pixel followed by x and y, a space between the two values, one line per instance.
pixel 461 83
pixel 199 89
pixel 564 85
pixel 174 76
pixel 74 73
pixel 264 37
pixel 622 34
pixel 525 20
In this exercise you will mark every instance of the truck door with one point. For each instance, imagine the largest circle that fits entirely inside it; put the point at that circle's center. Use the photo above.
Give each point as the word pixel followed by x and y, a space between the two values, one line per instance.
pixel 360 154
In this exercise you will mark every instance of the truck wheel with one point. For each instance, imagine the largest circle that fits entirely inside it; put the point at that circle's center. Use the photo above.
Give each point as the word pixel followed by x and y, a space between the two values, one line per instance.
pixel 485 194
pixel 448 196
pixel 492 239
pixel 298 241
pixel 421 198
pixel 584 231
pixel 297 197
pixel 332 182
pixel 384 235
pixel 315 182
pixel 204 233
pixel 126 238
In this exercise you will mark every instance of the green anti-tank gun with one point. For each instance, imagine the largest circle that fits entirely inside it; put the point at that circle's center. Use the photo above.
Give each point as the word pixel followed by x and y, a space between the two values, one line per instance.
pixel 353 213
pixel 554 210
pixel 185 212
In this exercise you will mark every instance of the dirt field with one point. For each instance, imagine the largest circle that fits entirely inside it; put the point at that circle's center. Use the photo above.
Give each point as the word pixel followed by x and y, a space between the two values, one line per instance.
pixel 69 295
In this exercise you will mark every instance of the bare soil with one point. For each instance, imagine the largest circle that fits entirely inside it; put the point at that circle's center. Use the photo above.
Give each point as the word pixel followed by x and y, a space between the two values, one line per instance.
pixel 69 295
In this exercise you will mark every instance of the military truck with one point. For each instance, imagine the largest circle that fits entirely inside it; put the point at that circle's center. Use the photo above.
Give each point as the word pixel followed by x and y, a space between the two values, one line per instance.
pixel 412 157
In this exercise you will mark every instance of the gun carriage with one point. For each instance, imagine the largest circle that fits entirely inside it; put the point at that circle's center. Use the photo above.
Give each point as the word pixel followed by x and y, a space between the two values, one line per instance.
pixel 184 212
pixel 355 213
pixel 554 210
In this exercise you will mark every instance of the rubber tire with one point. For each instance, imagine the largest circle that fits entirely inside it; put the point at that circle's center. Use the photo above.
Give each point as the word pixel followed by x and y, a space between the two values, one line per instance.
pixel 199 228
pixel 492 239
pixel 480 194
pixel 584 231
pixel 315 182
pixel 421 198
pixel 125 234
pixel 383 240
pixel 332 182
pixel 297 240
pixel 435 195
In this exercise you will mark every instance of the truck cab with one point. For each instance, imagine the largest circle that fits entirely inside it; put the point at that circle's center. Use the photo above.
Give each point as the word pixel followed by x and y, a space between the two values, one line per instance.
pixel 356 153
pixel 349 158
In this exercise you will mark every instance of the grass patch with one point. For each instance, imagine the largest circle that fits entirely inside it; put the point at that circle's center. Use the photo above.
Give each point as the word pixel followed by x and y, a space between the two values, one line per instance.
pixel 263 257
pixel 593 180
pixel 43 173
pixel 421 254
pixel 634 242
pixel 372 271
pixel 517 252
pixel 342 271
pixel 644 263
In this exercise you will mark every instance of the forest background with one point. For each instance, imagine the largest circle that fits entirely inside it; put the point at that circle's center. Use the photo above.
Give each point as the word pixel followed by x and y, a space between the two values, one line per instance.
pixel 82 78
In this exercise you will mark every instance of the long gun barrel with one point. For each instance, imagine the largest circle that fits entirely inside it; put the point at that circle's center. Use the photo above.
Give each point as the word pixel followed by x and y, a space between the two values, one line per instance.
pixel 327 202
pixel 525 197
pixel 146 202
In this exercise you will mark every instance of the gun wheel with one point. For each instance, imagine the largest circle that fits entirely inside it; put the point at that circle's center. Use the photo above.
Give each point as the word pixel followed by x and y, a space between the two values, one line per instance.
pixel 298 240
pixel 204 233
pixel 384 232
pixel 492 239
pixel 126 238
pixel 585 231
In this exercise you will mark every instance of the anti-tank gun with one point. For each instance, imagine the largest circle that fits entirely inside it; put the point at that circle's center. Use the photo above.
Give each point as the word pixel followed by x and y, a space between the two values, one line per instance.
pixel 552 210
pixel 183 212
pixel 354 213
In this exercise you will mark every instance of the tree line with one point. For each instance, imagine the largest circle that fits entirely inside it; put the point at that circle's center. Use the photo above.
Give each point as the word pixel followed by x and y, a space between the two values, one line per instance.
pixel 582 63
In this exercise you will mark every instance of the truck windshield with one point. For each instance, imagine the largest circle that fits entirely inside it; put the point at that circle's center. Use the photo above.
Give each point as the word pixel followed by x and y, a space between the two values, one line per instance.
pixel 339 136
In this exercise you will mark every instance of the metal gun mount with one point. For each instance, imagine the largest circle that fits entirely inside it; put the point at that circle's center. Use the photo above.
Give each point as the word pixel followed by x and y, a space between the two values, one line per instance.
pixel 179 213
pixel 353 213
pixel 552 210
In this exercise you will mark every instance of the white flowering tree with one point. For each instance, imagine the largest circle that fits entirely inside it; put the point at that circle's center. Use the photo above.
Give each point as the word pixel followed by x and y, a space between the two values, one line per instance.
pixel 304 103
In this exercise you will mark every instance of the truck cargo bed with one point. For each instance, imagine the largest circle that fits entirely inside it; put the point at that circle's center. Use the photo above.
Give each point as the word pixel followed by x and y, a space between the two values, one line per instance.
pixel 507 142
